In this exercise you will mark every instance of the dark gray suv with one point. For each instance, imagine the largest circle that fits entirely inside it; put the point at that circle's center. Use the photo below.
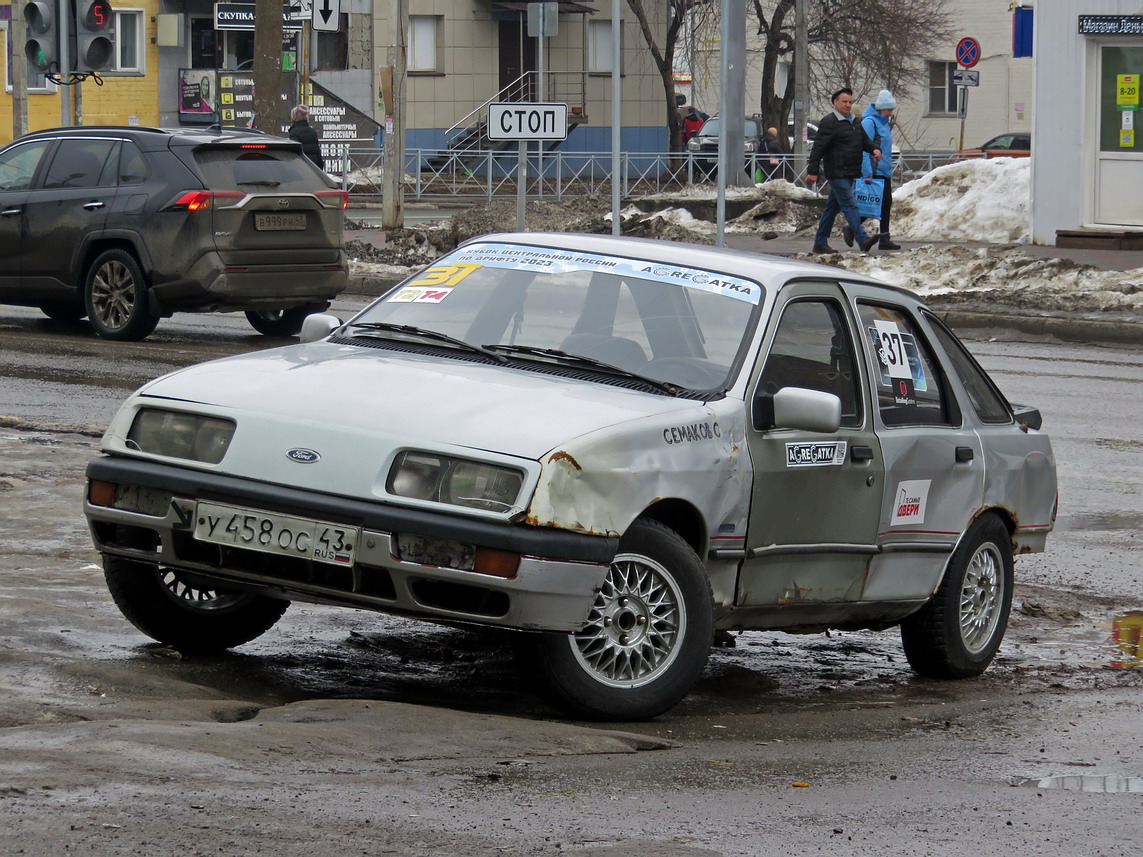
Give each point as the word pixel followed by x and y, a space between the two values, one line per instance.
pixel 127 225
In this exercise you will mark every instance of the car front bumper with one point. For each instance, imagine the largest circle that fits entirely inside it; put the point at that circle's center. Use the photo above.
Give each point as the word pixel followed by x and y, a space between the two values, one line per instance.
pixel 554 587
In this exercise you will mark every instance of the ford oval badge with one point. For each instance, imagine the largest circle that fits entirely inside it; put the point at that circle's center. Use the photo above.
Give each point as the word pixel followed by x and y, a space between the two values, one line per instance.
pixel 302 456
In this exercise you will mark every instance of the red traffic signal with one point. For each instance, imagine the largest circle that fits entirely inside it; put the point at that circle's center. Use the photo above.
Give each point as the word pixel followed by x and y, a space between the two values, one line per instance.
pixel 97 16
pixel 94 48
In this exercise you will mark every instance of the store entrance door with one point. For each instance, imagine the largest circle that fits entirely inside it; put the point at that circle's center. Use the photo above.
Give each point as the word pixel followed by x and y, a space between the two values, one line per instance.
pixel 1119 158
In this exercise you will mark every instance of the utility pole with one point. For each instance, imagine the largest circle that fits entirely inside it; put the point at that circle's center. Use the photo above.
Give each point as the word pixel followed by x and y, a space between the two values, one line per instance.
pixel 393 90
pixel 801 75
pixel 268 65
pixel 19 70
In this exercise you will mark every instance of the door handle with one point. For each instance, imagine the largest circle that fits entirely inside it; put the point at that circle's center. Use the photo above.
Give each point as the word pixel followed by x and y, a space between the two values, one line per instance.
pixel 861 453
pixel 11 212
pixel 964 453
pixel 94 204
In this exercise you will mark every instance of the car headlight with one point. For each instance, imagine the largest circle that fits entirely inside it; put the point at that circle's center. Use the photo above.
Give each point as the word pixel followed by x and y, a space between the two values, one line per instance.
pixel 694 145
pixel 749 146
pixel 180 435
pixel 455 481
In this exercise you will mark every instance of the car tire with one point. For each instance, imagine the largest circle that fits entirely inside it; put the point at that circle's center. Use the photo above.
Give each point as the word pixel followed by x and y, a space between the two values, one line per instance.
pixel 646 640
pixel 278 322
pixel 63 312
pixel 170 609
pixel 958 632
pixel 115 297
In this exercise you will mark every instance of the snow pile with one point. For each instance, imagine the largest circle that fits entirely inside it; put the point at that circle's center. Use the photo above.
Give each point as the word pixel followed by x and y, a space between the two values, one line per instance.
pixel 986 199
pixel 961 274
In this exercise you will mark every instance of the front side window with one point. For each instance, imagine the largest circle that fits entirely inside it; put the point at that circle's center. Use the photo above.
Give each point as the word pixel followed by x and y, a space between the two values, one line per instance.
pixel 942 93
pixel 18 165
pixel 812 348
pixel 909 385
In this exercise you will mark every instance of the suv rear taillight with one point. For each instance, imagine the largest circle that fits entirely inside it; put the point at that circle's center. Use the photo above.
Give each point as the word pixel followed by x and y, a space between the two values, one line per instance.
pixel 333 198
pixel 198 200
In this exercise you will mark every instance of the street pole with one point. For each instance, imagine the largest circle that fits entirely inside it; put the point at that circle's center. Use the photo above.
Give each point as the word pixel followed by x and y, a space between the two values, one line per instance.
pixel 393 156
pixel 268 66
pixel 19 78
pixel 616 115
pixel 801 75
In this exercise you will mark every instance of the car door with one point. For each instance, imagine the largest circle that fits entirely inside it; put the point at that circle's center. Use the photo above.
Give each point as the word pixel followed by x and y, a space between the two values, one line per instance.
pixel 934 461
pixel 18 166
pixel 816 498
pixel 69 204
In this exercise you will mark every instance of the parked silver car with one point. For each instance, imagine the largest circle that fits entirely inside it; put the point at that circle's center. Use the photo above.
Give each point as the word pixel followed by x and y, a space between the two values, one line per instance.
pixel 614 447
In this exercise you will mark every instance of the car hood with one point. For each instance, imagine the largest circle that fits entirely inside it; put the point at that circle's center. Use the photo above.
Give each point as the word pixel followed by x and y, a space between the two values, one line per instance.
pixel 423 398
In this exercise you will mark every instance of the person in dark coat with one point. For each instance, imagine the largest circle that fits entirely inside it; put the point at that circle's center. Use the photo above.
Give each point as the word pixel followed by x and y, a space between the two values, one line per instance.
pixel 302 132
pixel 838 148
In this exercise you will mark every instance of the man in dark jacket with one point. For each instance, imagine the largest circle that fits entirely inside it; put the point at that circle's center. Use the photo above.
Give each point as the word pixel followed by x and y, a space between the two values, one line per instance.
pixel 302 132
pixel 838 148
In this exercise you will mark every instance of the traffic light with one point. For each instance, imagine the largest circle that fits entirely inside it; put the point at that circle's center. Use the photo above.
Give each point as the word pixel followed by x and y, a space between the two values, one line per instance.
pixel 94 48
pixel 42 47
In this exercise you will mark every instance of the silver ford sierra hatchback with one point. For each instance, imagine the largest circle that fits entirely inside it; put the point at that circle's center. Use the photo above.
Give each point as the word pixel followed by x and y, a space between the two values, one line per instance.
pixel 614 447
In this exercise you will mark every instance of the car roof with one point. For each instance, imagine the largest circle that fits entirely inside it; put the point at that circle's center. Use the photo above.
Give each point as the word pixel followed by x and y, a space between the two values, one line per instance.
pixel 210 135
pixel 772 271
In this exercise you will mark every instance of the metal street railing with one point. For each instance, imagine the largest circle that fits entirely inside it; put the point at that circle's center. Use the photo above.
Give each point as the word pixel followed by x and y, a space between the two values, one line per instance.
pixel 432 173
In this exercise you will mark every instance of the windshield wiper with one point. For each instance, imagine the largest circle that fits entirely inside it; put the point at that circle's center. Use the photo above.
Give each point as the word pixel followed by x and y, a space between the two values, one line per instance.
pixel 423 333
pixel 589 362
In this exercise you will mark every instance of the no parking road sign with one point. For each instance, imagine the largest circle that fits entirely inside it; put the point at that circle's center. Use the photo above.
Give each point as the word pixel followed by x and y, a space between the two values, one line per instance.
pixel 968 52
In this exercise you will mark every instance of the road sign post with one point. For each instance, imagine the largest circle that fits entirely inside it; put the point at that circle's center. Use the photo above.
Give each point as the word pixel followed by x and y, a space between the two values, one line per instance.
pixel 525 122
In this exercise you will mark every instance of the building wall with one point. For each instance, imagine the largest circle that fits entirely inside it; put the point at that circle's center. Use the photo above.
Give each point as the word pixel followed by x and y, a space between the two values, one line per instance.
pixel 468 75
pixel 1068 166
pixel 122 99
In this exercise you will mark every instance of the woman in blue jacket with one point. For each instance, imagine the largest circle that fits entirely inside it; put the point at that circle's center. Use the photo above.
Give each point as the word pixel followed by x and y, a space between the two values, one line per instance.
pixel 875 121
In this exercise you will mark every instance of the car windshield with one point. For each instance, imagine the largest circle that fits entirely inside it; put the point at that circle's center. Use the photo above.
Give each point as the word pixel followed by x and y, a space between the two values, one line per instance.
pixel 683 326
pixel 711 128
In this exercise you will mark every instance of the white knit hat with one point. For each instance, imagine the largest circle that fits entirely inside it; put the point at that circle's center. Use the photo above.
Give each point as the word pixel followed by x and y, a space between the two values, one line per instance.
pixel 885 101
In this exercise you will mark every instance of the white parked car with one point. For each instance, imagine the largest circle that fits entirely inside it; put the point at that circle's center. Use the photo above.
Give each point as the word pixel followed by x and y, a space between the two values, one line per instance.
pixel 614 447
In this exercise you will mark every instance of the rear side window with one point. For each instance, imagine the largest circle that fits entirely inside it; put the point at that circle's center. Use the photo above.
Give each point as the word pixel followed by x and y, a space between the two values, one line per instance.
pixel 257 170
pixel 132 165
pixel 986 400
pixel 18 165
pixel 910 386
pixel 82 163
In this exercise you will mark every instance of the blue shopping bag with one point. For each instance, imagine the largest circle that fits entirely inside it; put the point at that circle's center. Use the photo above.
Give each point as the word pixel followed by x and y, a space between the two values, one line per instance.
pixel 869 197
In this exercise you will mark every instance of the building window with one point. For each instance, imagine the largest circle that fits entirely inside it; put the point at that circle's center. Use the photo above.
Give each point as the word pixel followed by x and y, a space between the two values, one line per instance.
pixel 942 93
pixel 128 41
pixel 599 46
pixel 333 49
pixel 36 80
pixel 423 33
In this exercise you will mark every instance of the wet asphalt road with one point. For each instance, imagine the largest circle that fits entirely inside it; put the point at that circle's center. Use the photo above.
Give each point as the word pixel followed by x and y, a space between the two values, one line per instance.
pixel 346 732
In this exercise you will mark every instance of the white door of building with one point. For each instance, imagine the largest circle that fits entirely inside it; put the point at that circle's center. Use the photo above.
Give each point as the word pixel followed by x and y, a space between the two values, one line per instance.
pixel 1119 136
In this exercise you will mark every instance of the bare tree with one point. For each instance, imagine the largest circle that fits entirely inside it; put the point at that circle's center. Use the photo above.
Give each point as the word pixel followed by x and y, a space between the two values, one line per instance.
pixel 866 45
pixel 664 54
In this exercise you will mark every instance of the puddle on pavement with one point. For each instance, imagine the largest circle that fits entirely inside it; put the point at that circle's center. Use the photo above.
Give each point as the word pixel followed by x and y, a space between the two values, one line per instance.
pixel 1087 783
pixel 1126 630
